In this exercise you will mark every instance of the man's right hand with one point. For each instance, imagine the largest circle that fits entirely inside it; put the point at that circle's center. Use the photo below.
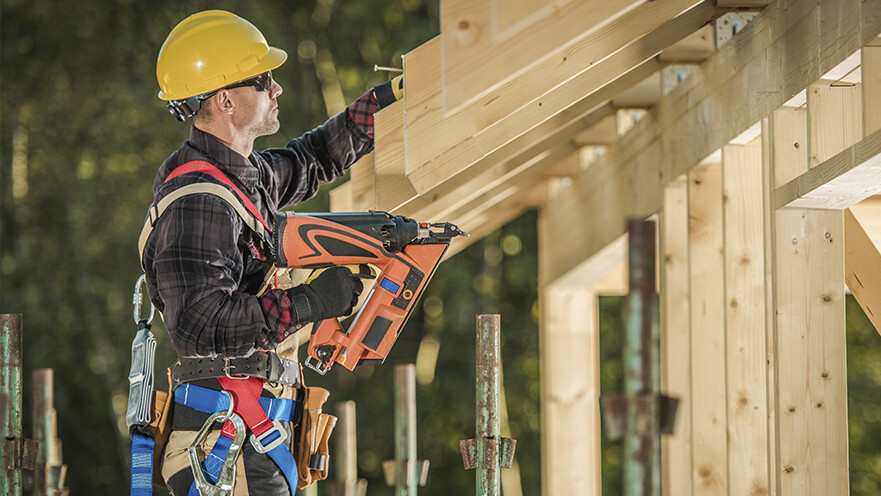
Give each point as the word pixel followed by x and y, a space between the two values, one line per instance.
pixel 334 293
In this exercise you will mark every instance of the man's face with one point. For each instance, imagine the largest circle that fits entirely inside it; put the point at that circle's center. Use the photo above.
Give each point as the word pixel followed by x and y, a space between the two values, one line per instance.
pixel 257 111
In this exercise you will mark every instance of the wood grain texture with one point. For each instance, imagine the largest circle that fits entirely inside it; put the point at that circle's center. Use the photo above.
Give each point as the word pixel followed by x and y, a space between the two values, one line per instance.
pixel 811 385
pixel 862 261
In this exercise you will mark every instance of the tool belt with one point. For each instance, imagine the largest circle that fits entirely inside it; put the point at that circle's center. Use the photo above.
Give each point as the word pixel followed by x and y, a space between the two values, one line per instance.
pixel 267 366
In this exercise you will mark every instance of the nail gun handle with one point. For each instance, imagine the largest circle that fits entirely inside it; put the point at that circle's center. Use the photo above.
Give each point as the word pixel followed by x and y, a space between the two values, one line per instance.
pixel 326 345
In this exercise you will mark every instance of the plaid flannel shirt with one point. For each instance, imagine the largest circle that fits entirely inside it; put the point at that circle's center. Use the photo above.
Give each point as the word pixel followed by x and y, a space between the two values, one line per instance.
pixel 204 266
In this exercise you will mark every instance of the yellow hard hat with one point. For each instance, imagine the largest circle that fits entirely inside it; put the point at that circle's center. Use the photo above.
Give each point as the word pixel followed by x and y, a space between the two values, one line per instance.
pixel 210 50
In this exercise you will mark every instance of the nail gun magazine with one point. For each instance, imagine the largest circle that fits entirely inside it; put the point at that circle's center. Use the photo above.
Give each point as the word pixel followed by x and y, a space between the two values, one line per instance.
pixel 404 251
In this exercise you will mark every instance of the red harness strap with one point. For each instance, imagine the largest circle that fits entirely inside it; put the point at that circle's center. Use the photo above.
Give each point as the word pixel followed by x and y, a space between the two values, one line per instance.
pixel 213 171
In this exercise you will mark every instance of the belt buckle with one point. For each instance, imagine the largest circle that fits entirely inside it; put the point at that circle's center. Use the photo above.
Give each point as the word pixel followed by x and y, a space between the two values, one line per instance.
pixel 226 368
pixel 257 441
pixel 290 374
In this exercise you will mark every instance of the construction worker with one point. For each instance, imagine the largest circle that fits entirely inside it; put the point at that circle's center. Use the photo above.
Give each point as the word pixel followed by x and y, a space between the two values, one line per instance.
pixel 206 265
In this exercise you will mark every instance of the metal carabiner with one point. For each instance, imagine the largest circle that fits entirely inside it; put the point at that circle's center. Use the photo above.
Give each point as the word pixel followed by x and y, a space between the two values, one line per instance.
pixel 138 300
pixel 227 477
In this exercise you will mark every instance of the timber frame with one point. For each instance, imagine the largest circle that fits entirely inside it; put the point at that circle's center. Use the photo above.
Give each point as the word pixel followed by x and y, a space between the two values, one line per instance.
pixel 759 157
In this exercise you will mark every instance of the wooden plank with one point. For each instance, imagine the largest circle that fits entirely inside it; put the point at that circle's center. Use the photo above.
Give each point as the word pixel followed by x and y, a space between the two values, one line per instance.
pixel 861 262
pixel 850 176
pixel 745 319
pixel 789 139
pixel 835 119
pixel 770 299
pixel 570 390
pixel 675 337
pixel 868 214
pixel 448 144
pixel 484 221
pixel 811 386
pixel 484 42
pixel 490 191
pixel 693 112
pixel 706 265
pixel 643 95
pixel 392 185
pixel 363 178
pixel 693 49
pixel 341 198
pixel 871 77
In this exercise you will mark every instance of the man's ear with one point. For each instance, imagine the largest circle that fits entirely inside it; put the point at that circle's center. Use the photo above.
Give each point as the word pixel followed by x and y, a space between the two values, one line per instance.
pixel 222 102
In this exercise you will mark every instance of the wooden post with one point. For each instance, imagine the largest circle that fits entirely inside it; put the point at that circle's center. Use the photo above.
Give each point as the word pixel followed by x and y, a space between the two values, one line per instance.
pixel 676 337
pixel 746 340
pixel 706 280
pixel 811 386
pixel 871 77
pixel 49 471
pixel 347 482
pixel 405 472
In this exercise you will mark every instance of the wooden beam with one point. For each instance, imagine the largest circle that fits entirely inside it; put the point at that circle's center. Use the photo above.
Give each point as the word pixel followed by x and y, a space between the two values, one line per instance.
pixel 789 136
pixel 341 198
pixel 736 87
pixel 868 214
pixel 746 346
pixel 484 221
pixel 676 368
pixel 835 119
pixel 850 176
pixel 392 185
pixel 861 268
pixel 363 178
pixel 811 386
pixel 440 146
pixel 871 77
pixel 708 418
pixel 481 49
pixel 693 49
pixel 570 390
pixel 492 188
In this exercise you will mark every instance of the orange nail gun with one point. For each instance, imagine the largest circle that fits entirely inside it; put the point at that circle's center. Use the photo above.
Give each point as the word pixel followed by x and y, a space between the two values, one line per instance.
pixel 405 252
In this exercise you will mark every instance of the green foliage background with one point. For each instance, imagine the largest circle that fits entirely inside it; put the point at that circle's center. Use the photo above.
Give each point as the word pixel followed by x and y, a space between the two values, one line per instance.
pixel 81 136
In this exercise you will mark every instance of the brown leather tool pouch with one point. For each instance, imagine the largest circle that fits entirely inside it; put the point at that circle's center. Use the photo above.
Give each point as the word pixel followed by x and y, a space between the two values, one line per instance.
pixel 313 436
pixel 160 427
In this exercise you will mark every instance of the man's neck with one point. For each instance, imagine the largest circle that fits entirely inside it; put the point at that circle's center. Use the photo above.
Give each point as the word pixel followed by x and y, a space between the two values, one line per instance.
pixel 228 136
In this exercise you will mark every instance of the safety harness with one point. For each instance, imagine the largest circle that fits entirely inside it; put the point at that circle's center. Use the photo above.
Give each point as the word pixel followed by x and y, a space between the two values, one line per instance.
pixel 240 403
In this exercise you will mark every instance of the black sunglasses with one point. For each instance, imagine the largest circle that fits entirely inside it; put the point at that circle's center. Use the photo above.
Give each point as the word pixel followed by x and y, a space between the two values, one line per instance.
pixel 261 82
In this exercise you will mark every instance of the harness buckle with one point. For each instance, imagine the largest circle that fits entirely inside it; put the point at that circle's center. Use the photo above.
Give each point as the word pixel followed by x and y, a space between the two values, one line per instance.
pixel 257 442
pixel 227 476
pixel 226 368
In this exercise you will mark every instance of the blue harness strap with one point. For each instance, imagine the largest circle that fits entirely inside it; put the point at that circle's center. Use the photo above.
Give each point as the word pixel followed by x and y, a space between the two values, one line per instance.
pixel 142 465
pixel 210 401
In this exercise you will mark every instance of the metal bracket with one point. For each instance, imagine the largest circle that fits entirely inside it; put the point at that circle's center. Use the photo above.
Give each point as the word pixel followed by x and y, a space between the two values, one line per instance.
pixel 506 448
pixel 614 410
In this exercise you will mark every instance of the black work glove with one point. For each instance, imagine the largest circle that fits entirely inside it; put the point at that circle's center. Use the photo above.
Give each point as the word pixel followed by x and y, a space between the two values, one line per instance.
pixel 334 293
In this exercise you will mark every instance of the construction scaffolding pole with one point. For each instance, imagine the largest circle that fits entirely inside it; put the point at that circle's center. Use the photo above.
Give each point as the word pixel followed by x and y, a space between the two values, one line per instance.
pixel 16 453
pixel 488 452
